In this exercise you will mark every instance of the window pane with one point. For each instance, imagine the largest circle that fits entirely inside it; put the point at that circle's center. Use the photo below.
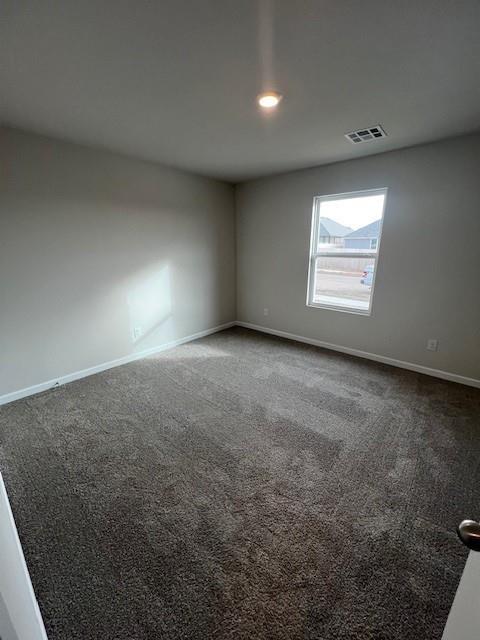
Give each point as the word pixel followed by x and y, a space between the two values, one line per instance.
pixel 350 224
pixel 343 253
pixel 343 282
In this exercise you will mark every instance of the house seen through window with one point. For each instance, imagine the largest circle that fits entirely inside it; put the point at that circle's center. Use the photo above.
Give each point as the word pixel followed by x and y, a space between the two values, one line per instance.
pixel 345 241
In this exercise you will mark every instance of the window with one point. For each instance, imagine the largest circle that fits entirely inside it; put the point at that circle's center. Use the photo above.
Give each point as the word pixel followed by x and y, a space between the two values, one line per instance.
pixel 345 241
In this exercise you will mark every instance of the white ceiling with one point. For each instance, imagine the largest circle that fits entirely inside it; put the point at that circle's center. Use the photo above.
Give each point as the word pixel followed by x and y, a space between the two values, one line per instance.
pixel 175 80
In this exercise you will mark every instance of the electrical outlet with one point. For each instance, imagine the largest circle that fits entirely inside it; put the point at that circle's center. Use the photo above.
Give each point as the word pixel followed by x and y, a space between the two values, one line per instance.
pixel 265 312
pixel 137 332
pixel 432 344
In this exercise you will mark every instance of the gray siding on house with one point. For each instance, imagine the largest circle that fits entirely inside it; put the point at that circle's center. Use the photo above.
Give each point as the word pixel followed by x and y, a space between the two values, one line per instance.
pixel 357 243
pixel 361 238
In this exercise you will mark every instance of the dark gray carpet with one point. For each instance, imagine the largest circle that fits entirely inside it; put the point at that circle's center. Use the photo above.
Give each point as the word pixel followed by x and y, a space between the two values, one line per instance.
pixel 244 487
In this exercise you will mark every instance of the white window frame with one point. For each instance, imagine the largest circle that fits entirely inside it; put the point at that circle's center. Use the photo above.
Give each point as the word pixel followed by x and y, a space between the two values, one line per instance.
pixel 368 253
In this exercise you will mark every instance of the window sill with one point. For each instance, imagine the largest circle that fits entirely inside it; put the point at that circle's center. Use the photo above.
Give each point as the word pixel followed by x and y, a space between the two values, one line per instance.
pixel 331 307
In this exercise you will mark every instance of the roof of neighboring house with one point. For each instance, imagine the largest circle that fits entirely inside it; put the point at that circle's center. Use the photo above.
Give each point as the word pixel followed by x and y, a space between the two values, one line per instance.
pixel 371 230
pixel 329 227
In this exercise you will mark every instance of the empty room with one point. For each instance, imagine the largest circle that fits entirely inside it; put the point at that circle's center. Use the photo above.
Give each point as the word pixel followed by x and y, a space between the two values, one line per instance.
pixel 239 320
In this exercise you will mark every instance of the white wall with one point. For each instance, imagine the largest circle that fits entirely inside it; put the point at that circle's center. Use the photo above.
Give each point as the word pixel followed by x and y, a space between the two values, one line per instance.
pixel 20 617
pixel 428 277
pixel 7 632
pixel 93 244
pixel 464 619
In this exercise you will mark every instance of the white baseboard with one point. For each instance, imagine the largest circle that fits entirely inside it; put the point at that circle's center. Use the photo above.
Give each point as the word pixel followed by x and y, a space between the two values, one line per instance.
pixel 83 373
pixel 418 368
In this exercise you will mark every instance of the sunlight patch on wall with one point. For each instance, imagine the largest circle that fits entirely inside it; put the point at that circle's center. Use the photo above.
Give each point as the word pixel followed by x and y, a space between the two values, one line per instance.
pixel 149 302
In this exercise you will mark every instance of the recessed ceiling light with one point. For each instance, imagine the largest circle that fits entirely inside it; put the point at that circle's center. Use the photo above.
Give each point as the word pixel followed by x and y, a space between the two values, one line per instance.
pixel 269 100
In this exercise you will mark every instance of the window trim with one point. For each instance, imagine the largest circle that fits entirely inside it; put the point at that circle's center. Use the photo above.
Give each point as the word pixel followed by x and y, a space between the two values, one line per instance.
pixel 313 255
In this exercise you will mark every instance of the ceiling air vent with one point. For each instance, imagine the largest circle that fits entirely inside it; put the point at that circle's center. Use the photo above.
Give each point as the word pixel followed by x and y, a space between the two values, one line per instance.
pixel 366 135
